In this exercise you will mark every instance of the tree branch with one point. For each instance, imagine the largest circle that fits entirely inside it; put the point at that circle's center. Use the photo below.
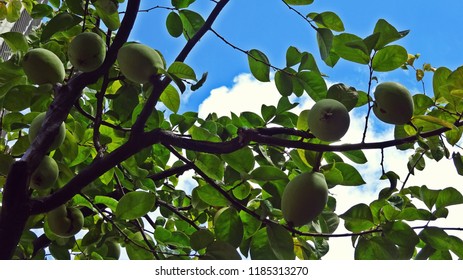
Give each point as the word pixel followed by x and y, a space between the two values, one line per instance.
pixel 261 136
pixel 159 85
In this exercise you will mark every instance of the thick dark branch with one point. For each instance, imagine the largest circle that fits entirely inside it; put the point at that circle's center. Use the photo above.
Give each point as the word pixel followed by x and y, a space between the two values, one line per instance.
pixel 15 209
pixel 68 94
pixel 85 177
pixel 266 136
pixel 178 170
pixel 206 27
pixel 159 85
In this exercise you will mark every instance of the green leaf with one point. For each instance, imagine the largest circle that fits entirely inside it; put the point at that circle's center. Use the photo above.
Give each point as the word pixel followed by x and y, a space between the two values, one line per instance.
pixel 333 176
pixel 69 148
pixel 211 196
pixel 351 176
pixel 127 98
pixel 137 248
pixel 200 83
pixel 59 252
pixel 182 4
pixel 358 218
pixel 19 97
pixel 436 238
pixel 5 162
pixel 174 24
pixel 281 242
pixel 458 162
pixel 284 83
pixel 268 173
pixel 241 160
pixel 250 224
pixel 293 56
pixel 329 20
pixel 13 10
pixel 228 226
pixel 134 205
pixel 268 112
pixel 387 33
pixel 375 248
pixel 348 96
pixel 182 71
pixel 251 119
pixel 16 41
pixel 171 98
pixel 422 103
pixel 132 166
pixel 199 133
pixel 259 65
pixel 179 240
pixel 414 214
pixel 401 234
pixel 389 58
pixel 107 10
pixel 220 250
pixel 313 83
pixel 400 133
pixel 302 120
pixel 448 196
pixel 201 239
pixel 60 22
pixel 428 196
pixel 299 2
pixel 260 248
pixel 75 6
pixel 351 47
pixel 439 83
pixel 357 156
pixel 285 105
pixel 211 164
pixel 308 62
pixel 325 42
pixel 456 246
pixel 329 221
pixel 20 146
pixel 162 235
pixel 191 21
pixel 434 120
pixel 41 10
pixel 109 202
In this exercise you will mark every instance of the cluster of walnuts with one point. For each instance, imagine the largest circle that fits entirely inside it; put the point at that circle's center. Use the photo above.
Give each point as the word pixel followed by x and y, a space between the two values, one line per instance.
pixel 305 196
pixel 86 53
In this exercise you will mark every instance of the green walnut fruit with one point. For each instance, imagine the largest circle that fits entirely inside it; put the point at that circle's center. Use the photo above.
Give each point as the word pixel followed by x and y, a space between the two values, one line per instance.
pixel 110 250
pixel 304 198
pixel 393 103
pixel 43 66
pixel 139 62
pixel 46 174
pixel 37 124
pixel 328 120
pixel 87 51
pixel 65 221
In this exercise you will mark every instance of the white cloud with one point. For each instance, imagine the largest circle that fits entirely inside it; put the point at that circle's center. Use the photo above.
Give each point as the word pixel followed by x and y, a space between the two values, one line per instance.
pixel 248 94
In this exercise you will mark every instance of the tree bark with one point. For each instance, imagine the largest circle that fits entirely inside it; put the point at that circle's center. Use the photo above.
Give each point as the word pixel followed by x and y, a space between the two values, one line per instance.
pixel 15 209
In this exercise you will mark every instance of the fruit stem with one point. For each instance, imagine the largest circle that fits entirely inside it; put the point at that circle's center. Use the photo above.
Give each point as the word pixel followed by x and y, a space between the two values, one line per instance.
pixel 318 162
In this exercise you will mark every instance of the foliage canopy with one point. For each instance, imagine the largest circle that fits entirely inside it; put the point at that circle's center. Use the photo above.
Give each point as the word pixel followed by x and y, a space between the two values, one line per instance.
pixel 121 157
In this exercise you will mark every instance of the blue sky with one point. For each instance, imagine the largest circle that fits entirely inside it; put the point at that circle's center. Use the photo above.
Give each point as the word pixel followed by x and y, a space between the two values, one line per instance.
pixel 271 27
pixel 435 33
